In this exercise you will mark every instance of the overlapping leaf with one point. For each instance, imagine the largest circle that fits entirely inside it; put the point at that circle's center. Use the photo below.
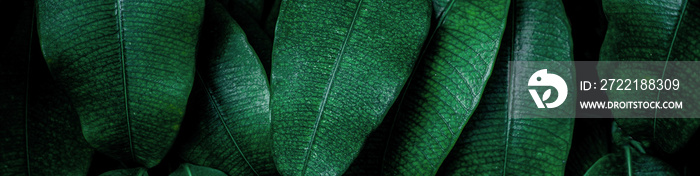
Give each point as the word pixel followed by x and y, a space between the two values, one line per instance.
pixel 229 105
pixel 128 67
pixel 507 134
pixel 446 87
pixel 664 31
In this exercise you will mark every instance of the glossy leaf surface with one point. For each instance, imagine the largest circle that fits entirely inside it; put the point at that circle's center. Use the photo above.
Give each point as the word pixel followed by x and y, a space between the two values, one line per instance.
pixel 446 87
pixel 128 67
pixel 507 134
pixel 664 31
pixel 336 70
pixel 228 115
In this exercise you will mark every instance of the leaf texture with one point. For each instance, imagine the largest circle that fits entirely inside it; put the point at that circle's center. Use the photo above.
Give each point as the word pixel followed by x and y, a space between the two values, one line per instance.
pixel 664 31
pixel 128 67
pixel 504 136
pixel 336 70
pixel 40 131
pixel 228 115
pixel 446 87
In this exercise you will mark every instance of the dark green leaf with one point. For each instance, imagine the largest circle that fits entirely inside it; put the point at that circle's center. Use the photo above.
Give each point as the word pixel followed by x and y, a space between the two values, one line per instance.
pixel 40 131
pixel 336 69
pixel 503 136
pixel 127 172
pixel 187 169
pixel 128 67
pixel 229 104
pixel 651 30
pixel 446 87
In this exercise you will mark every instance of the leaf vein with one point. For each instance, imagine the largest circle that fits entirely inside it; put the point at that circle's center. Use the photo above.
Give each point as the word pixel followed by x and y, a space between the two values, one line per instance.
pixel 123 60
pixel 330 85
pixel 223 122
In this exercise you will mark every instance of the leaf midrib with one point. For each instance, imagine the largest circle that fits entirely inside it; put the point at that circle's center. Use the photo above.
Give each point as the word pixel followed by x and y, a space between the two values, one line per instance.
pixel 668 56
pixel 510 77
pixel 331 80
pixel 123 62
pixel 26 93
pixel 223 122
pixel 187 168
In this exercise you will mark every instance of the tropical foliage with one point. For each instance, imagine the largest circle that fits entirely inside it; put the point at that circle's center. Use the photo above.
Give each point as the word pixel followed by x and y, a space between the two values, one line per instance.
pixel 355 87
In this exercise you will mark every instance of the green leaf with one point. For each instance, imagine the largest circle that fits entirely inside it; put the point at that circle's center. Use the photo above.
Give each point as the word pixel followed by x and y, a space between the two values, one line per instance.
pixel 336 70
pixel 653 31
pixel 126 172
pixel 128 67
pixel 40 131
pixel 187 169
pixel 229 105
pixel 446 86
pixel 504 136
pixel 619 164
